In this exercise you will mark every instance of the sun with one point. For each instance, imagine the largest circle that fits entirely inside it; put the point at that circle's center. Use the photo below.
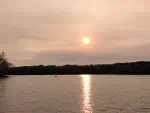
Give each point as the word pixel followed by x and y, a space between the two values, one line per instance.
pixel 86 40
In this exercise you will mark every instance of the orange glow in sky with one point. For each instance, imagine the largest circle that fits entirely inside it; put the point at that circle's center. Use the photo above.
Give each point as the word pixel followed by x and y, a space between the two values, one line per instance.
pixel 86 40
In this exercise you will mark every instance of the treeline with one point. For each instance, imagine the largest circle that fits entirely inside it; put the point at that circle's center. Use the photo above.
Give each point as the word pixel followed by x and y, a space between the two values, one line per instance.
pixel 140 67
pixel 4 64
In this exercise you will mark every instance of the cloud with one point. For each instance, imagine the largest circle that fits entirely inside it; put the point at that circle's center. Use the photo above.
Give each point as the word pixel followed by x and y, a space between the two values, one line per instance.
pixel 62 57
pixel 50 32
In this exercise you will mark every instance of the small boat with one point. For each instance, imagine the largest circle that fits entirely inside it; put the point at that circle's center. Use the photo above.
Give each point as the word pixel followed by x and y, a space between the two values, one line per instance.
pixel 4 76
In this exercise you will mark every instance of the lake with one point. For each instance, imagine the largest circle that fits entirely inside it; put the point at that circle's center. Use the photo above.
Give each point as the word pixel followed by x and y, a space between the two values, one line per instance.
pixel 75 94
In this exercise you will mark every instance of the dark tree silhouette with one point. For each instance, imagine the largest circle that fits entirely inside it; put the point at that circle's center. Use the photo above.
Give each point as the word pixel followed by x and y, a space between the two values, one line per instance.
pixel 141 67
pixel 4 64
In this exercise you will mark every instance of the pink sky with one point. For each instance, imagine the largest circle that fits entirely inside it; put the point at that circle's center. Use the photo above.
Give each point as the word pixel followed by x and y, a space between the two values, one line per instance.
pixel 46 32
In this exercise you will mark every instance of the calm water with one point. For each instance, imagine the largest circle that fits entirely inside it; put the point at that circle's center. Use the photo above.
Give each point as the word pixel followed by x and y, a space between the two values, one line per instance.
pixel 75 94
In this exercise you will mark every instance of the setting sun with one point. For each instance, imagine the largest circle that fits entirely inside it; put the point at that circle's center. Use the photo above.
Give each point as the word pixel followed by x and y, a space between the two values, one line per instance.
pixel 86 40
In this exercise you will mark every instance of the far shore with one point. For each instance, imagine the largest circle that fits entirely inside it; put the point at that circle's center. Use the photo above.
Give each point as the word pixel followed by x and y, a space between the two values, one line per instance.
pixel 129 68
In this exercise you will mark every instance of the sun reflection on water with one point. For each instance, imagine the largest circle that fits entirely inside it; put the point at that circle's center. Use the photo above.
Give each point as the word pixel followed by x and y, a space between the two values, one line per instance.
pixel 86 96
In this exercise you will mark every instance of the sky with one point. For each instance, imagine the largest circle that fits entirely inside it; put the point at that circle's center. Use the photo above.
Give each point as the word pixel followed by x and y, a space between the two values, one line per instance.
pixel 50 32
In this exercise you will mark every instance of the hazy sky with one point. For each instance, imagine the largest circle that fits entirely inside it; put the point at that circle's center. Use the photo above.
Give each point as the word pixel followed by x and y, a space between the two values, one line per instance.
pixel 46 32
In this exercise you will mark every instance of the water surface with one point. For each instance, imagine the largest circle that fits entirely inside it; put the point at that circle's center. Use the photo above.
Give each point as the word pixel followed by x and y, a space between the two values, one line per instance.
pixel 75 94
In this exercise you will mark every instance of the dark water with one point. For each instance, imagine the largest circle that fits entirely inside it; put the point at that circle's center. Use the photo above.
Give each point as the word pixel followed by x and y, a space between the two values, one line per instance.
pixel 75 94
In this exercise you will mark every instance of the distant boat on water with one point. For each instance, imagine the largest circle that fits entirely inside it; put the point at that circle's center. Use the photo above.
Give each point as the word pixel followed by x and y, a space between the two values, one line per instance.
pixel 4 76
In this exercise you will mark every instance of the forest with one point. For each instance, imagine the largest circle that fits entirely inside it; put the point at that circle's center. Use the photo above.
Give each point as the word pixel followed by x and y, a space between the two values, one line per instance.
pixel 139 67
